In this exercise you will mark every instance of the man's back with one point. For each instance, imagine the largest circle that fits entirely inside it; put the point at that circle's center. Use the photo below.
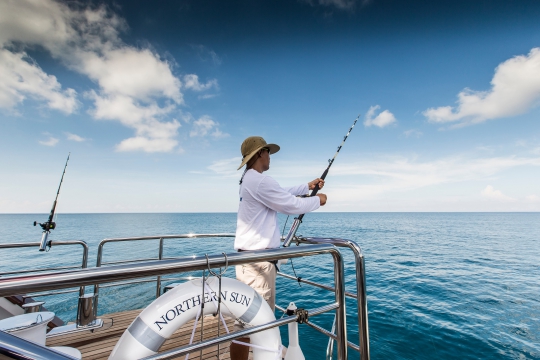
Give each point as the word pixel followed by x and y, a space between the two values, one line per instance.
pixel 261 198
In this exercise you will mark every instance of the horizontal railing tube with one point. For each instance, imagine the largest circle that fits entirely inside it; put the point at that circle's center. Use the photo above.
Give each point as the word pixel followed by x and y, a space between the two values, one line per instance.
pixel 332 335
pixel 102 243
pixel 13 347
pixel 237 334
pixel 59 280
pixel 40 270
pixel 90 276
pixel 34 295
pixel 313 283
pixel 52 243
pixel 171 354
pixel 128 261
pixel 362 308
pixel 158 237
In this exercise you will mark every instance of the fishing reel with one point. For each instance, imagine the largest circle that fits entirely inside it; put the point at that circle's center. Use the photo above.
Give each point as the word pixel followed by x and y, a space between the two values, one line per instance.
pixel 46 226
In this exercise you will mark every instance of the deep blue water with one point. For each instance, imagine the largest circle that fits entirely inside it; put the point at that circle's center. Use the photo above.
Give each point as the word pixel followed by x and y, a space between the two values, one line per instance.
pixel 440 285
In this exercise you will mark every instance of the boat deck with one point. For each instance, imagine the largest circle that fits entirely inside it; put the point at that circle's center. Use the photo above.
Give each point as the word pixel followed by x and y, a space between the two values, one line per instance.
pixel 99 344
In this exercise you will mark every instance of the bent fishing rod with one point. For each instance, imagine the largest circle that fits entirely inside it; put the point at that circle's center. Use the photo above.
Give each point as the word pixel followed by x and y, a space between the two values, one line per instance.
pixel 49 225
pixel 298 220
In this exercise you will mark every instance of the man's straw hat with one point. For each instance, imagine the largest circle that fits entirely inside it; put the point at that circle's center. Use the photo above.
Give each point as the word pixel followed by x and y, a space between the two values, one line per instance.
pixel 252 145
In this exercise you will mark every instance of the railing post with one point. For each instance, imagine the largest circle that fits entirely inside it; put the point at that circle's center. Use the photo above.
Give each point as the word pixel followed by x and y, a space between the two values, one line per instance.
pixel 330 347
pixel 341 312
pixel 160 257
pixel 362 309
pixel 96 285
pixel 84 265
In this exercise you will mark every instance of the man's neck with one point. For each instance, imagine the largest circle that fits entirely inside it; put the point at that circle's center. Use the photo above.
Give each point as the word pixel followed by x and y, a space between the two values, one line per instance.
pixel 257 167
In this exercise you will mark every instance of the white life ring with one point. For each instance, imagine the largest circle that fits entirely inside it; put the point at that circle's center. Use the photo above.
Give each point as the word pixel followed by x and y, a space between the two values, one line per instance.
pixel 176 307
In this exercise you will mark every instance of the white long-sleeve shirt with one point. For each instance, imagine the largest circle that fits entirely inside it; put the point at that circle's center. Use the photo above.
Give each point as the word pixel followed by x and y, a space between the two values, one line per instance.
pixel 261 198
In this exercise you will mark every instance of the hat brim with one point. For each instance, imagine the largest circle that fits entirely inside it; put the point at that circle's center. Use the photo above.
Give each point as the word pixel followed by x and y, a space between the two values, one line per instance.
pixel 273 149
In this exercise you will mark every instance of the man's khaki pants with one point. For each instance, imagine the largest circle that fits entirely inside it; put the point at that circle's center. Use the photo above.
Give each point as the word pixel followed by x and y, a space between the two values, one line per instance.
pixel 261 277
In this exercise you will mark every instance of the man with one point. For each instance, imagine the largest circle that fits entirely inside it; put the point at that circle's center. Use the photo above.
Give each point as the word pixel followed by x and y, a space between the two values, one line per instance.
pixel 261 198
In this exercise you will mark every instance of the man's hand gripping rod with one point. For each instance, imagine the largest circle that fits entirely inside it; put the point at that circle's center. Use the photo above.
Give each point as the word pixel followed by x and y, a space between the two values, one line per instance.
pixel 297 221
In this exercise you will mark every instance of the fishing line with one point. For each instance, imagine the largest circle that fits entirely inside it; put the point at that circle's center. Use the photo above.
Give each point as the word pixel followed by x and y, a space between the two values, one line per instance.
pixel 296 276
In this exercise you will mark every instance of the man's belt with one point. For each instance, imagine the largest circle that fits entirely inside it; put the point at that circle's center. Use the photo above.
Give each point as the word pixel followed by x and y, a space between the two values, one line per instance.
pixel 275 262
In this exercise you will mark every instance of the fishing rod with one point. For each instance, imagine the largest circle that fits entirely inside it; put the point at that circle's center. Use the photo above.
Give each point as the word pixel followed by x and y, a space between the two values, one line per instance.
pixel 298 220
pixel 50 224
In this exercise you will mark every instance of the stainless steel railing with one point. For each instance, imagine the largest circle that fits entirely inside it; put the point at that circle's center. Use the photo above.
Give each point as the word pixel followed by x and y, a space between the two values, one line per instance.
pixel 13 347
pixel 175 353
pixel 84 262
pixel 161 239
pixel 361 295
pixel 99 275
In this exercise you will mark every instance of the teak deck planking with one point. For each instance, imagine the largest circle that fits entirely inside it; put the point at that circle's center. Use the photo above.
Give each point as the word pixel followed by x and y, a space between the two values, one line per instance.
pixel 99 344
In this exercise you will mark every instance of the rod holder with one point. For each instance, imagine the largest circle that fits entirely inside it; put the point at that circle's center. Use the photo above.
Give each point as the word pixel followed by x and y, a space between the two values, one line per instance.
pixel 43 243
pixel 85 313
pixel 292 232
pixel 33 307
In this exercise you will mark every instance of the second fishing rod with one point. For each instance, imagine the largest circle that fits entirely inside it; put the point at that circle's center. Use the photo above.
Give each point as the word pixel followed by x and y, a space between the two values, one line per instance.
pixel 298 220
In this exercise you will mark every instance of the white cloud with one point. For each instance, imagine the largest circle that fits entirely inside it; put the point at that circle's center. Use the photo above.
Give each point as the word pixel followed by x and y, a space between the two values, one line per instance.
pixel 219 134
pixel 22 78
pixel 398 183
pixel 204 126
pixel 413 133
pixel 137 73
pixel 388 174
pixel 191 82
pixel 515 89
pixel 74 137
pixel 206 96
pixel 383 119
pixel 147 144
pixel 226 167
pixel 37 22
pixel 49 142
pixel 490 193
pixel 411 173
pixel 135 86
pixel 152 135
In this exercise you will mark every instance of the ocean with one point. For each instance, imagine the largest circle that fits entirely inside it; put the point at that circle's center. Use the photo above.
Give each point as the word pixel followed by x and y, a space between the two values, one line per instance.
pixel 439 285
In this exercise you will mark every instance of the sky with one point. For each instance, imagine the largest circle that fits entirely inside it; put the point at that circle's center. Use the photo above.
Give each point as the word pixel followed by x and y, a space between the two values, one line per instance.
pixel 153 100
